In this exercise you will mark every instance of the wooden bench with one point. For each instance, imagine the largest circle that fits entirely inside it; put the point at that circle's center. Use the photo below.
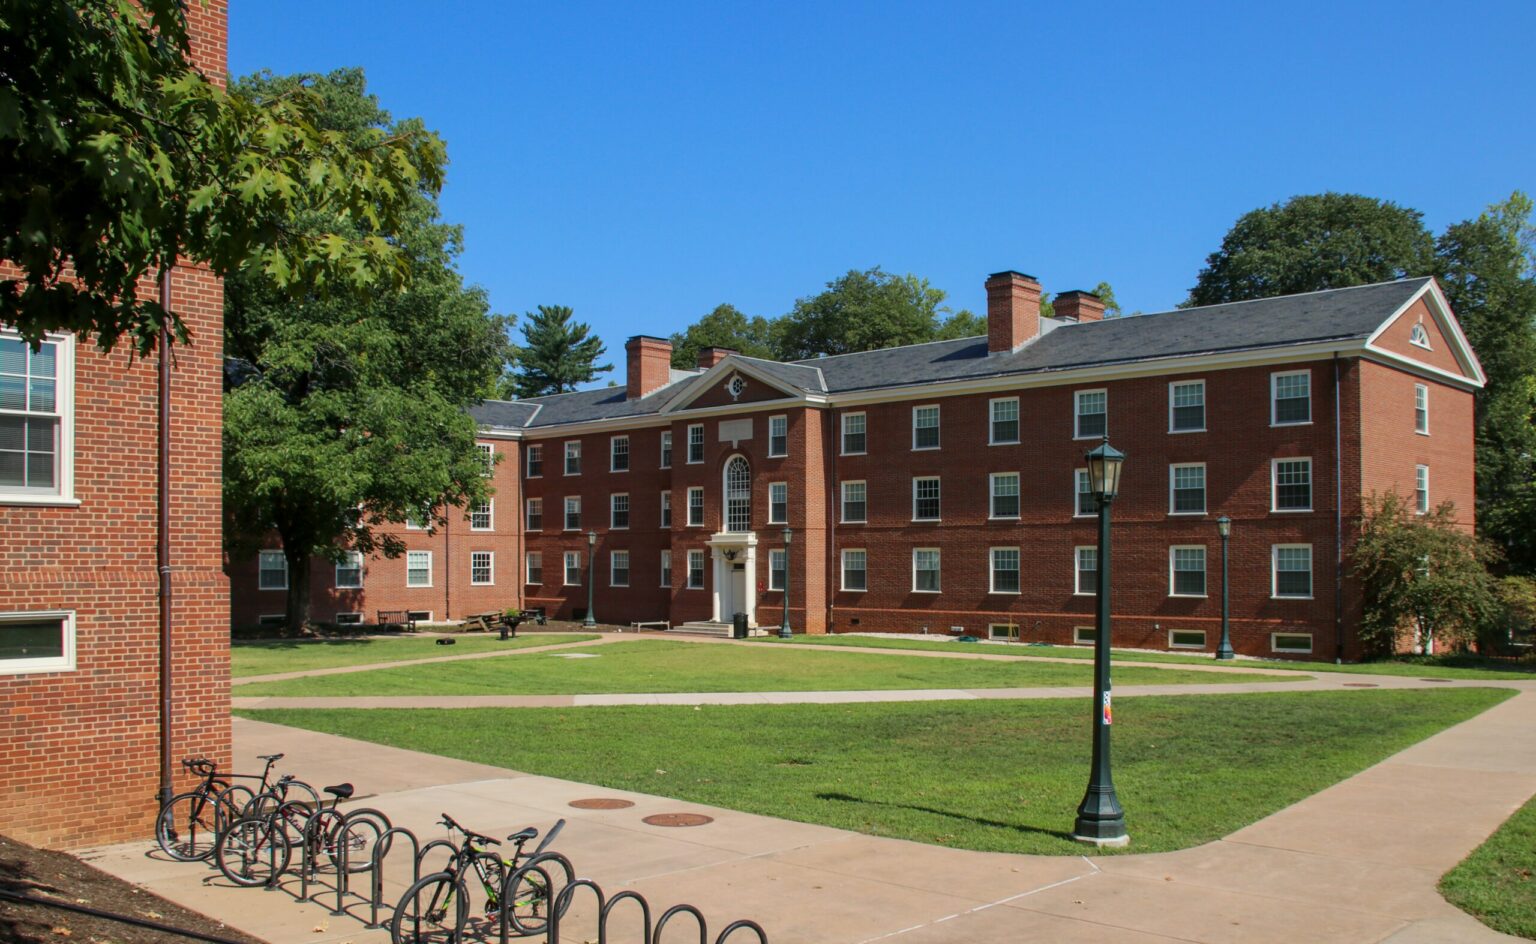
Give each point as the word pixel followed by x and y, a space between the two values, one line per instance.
pixel 401 618
pixel 480 621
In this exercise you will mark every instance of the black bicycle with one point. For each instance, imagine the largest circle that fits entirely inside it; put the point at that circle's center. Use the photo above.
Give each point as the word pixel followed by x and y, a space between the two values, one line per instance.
pixel 435 910
pixel 189 824
pixel 258 847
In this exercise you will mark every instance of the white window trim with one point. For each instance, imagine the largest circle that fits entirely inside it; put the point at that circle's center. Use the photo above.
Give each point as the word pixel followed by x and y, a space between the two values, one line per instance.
pixel 1205 489
pixel 64 396
pixel 528 461
pixel 664 444
pixel 785 453
pixel 688 444
pixel 430 571
pixel 925 478
pixel 939 426
pixel 1203 415
pixel 62 663
pixel 1185 645
pixel 272 619
pixel 358 621
pixel 1077 413
pixel 1077 509
pixel 992 496
pixel 613 524
pixel 992 423
pixel 482 583
pixel 612 559
pixel 703 571
pixel 1275 647
pixel 420 616
pixel 992 572
pixel 1077 570
pixel 489 451
pixel 842 435
pixel 1274 402
pixel 1173 580
pixel 612 442
pixel 842 570
pixel 490 511
pixel 1077 635
pixel 664 510
pixel 528 580
pixel 1417 390
pixel 265 554
pixel 666 568
pixel 565 457
pixel 336 574
pixel 936 550
pixel 688 509
pixel 565 513
pixel 1007 629
pixel 771 518
pixel 772 553
pixel 527 507
pixel 565 569
pixel 1274 572
pixel 1421 471
pixel 1418 335
pixel 1274 485
pixel 842 502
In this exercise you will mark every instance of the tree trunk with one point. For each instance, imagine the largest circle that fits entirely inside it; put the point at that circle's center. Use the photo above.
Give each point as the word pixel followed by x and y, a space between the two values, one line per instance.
pixel 298 586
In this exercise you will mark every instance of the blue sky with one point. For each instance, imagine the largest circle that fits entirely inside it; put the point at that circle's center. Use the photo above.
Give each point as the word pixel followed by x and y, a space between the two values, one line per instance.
pixel 646 162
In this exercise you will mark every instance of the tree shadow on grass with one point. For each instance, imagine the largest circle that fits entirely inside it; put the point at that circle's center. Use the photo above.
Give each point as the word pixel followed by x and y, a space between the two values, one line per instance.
pixel 979 821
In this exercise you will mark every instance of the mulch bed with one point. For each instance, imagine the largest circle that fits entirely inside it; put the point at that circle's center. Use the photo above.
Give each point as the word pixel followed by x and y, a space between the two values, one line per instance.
pixel 44 874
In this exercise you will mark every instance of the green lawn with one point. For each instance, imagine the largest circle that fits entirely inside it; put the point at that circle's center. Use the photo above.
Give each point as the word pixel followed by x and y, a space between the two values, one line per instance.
pixel 1496 884
pixel 633 667
pixel 999 775
pixel 1451 667
pixel 270 657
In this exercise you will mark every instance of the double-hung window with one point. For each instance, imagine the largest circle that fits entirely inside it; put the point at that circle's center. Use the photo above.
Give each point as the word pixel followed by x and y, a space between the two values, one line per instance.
pixel 695 443
pixel 925 427
pixel 1290 398
pixel 778 436
pixel 535 460
pixel 349 571
pixel 854 441
pixel 418 568
pixel 666 568
pixel 1004 428
pixel 1293 570
pixel 1085 566
pixel 1187 564
pixel 1005 570
pixel 1421 409
pixel 1090 414
pixel 481 516
pixel 272 570
pixel 776 568
pixel 573 457
pixel 1186 406
pixel 695 506
pixel 666 508
pixel 482 568
pixel 1421 489
pixel 855 503
pixel 618 569
pixel 1186 489
pixel 855 570
pixel 618 454
pixel 535 514
pixel 925 498
pixel 573 513
pixel 488 454
pixel 1084 504
pixel 535 568
pixel 1004 488
pixel 573 568
pixel 925 570
pixel 695 570
pixel 1292 484
pixel 618 511
pixel 35 419
pixel 666 449
pixel 778 502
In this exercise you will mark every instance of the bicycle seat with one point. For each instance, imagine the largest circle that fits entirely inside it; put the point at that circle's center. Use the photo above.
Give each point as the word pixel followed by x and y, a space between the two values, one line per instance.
pixel 340 791
pixel 269 757
pixel 523 835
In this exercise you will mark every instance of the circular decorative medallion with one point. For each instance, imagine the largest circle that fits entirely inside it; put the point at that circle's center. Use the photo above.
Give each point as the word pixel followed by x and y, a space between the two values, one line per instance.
pixel 601 803
pixel 735 386
pixel 678 819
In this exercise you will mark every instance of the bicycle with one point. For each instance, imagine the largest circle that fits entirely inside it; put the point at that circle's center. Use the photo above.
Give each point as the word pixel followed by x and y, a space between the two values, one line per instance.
pixel 530 882
pixel 188 825
pixel 260 844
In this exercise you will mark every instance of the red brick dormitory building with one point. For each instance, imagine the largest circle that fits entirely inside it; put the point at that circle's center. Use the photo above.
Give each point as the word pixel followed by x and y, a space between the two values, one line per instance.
pixel 80 696
pixel 940 487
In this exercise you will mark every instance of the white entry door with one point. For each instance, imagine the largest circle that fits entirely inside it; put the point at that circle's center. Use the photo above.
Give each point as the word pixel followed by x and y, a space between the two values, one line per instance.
pixel 738 587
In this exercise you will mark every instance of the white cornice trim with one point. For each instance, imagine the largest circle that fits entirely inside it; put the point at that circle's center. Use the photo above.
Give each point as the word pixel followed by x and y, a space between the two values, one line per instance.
pixel 731 364
pixel 1401 361
pixel 1445 319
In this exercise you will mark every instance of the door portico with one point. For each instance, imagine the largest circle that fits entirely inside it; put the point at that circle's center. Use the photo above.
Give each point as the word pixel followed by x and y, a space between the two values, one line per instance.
pixel 734 582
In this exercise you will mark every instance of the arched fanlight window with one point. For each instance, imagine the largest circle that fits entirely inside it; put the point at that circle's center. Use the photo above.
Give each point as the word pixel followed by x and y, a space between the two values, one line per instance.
pixel 738 495
pixel 1419 335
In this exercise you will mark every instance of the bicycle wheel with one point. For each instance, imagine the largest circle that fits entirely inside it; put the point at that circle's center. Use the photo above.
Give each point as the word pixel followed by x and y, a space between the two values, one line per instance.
pixel 232 801
pixel 533 890
pixel 430 912
pixel 253 852
pixel 358 833
pixel 187 827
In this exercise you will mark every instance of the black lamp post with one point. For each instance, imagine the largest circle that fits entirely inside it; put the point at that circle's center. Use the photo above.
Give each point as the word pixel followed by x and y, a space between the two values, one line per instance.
pixel 1224 651
pixel 591 620
pixel 1099 818
pixel 784 632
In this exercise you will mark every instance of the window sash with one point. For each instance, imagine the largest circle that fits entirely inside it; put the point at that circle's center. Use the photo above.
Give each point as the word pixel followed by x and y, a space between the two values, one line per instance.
pixel 1005 570
pixel 272 570
pixel 778 502
pixel 666 569
pixel 618 511
pixel 778 436
pixel 533 568
pixel 695 507
pixel 1189 571
pixel 855 437
pixel 666 449
pixel 534 514
pixel 1005 494
pixel 1005 421
pixel 573 568
pixel 618 454
pixel 925 427
pixel 855 502
pixel 1293 571
pixel 696 443
pixel 1187 406
pixel 855 570
pixel 1293 484
pixel 1086 502
pixel 32 391
pixel 925 499
pixel 695 570
pixel 618 569
pixel 1091 413
pixel 1420 408
pixel 1188 485
pixel 482 569
pixel 925 571
pixel 1421 489
pixel 418 568
pixel 349 571
pixel 1292 398
pixel 1086 570
pixel 481 517
pixel 776 569
pixel 573 458
pixel 535 461
pixel 666 508
pixel 573 514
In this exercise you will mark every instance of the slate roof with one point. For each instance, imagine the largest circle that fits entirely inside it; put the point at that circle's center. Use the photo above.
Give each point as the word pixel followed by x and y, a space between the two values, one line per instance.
pixel 1333 315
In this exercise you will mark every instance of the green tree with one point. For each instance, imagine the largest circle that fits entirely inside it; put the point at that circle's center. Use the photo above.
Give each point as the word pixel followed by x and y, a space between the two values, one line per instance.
pixel 345 414
pixel 862 311
pixel 725 327
pixel 1488 270
pixel 1423 577
pixel 117 157
pixel 1313 242
pixel 962 324
pixel 557 354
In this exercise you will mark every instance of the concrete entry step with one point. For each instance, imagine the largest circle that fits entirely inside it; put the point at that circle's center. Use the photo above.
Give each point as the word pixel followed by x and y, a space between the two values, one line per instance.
pixel 707 628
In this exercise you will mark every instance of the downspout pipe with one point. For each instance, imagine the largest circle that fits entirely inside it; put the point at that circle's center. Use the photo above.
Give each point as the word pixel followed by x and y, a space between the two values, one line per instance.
pixel 1338 519
pixel 163 537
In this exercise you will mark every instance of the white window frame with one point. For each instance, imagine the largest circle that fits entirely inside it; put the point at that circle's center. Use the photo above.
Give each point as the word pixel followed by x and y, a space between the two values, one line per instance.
pixel 842 439
pixel 1079 478
pixel 490 516
pixel 783 419
pixel 1274 400
pixel 613 511
pixel 1173 429
pixel 528 559
pixel 1204 488
pixel 666 568
pixel 1186 645
pixel 1274 643
pixel 842 502
pixel 64 662
pixel 1418 335
pixel 703 575
pixel 64 409
pixel 938 569
pixel 353 618
pixel 1084 635
pixel 938 426
pixel 1018 422
pixel 1018 495
pixel 689 446
pixel 772 519
pixel 842 572
pixel 992 571
pixel 1421 500
pixel 418 524
pixel 1008 630
pixel 409 568
pixel 488 452
pixel 1274 572
pixel 1077 413
pixel 1274 485
pixel 490 560
pixel 568 455
pixel 534 449
pixel 928 478
pixel 565 513
pixel 1077 570
pixel 613 454
pixel 348 556
pixel 613 562
pixel 666 508
pixel 1205 571
pixel 665 460
pixel 1421 409
pixel 420 616
pixel 266 555
pixel 565 562
pixel 528 514
pixel 695 490
pixel 776 569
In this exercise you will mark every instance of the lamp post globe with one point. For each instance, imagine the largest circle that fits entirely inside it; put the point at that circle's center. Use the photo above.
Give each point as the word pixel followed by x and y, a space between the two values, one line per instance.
pixel 1100 819
pixel 591 620
pixel 1224 650
pixel 784 631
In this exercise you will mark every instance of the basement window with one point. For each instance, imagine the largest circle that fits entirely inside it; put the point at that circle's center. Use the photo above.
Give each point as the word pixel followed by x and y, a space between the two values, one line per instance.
pixel 37 642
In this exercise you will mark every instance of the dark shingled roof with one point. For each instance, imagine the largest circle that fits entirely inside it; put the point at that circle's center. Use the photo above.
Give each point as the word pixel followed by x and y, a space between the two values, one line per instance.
pixel 1337 314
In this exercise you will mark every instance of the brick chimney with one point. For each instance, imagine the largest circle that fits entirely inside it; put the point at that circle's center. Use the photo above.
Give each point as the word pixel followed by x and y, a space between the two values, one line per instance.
pixel 1078 306
pixel 1013 310
pixel 710 356
pixel 649 365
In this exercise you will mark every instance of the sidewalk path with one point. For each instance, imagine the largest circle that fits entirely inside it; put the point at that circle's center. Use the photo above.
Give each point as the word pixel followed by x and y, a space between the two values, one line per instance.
pixel 1357 862
pixel 369 667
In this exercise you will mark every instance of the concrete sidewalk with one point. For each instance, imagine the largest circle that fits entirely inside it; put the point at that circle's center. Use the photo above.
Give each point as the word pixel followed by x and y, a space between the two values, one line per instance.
pixel 1355 863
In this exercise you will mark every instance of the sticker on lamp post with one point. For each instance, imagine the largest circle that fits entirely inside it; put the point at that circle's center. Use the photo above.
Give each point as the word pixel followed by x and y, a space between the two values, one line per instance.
pixel 1109 713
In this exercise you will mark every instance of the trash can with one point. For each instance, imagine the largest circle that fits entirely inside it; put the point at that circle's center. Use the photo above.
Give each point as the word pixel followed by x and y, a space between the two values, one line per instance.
pixel 739 626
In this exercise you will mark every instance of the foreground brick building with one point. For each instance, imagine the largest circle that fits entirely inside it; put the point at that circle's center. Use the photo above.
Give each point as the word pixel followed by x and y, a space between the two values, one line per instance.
pixel 936 487
pixel 80 694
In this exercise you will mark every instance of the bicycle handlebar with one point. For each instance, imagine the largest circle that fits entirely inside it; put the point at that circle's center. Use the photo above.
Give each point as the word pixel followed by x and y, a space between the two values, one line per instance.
pixel 468 833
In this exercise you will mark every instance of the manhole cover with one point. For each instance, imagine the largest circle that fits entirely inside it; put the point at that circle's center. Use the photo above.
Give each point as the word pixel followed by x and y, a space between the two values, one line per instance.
pixel 1361 685
pixel 677 819
pixel 601 803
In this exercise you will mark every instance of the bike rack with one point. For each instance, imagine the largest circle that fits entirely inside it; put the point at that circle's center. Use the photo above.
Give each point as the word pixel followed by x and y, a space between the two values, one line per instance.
pixel 651 933
pixel 536 864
